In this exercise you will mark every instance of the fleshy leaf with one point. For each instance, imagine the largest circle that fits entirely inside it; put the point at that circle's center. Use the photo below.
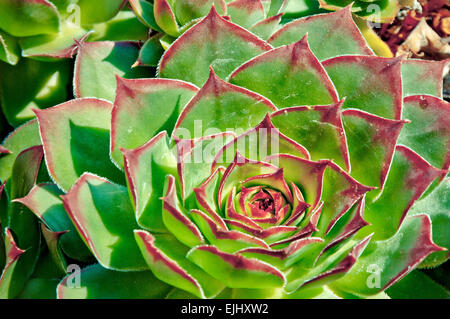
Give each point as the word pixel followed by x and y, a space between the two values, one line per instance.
pixel 151 52
pixel 371 84
pixel 428 134
pixel 22 138
pixel 417 285
pixel 13 253
pixel 409 176
pixel 22 18
pixel 423 77
pixel 206 196
pixel 188 10
pixel 437 206
pixel 75 136
pixel 43 200
pixel 125 26
pixel 22 223
pixel 266 27
pixel 175 219
pixel 371 143
pixel 214 41
pixel 318 128
pixel 289 76
pixel 99 10
pixel 9 48
pixel 58 45
pixel 32 84
pixel 239 170
pixel 340 193
pixel 234 270
pixel 165 17
pixel 229 241
pixel 99 283
pixel 388 261
pixel 221 107
pixel 347 225
pixel 194 164
pixel 166 258
pixel 258 143
pixel 143 108
pixel 307 175
pixel 144 12
pixel 245 12
pixel 103 215
pixel 334 269
pixel 146 168
pixel 282 258
pixel 342 34
pixel 55 253
pixel 98 63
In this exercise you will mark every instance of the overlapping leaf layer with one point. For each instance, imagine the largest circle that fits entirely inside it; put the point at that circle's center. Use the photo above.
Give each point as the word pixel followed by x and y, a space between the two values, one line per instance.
pixel 250 167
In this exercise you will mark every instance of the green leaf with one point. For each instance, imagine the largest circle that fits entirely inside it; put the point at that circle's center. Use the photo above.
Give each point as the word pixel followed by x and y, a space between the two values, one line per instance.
pixel 188 10
pixel 341 33
pixel 266 27
pixel 32 85
pixel 229 241
pixel 151 52
pixel 246 12
pixel 146 168
pixel 144 12
pixel 125 26
pixel 166 257
pixel 57 45
pixel 417 285
pixel 214 41
pixel 98 11
pixel 219 107
pixel 22 138
pixel 97 282
pixel 76 138
pixel 165 17
pixel 423 77
pixel 234 270
pixel 23 18
pixel 8 279
pixel 371 144
pixel 143 108
pixel 39 288
pixel 371 84
pixel 20 221
pixel 437 206
pixel 340 192
pixel 288 76
pixel 409 177
pixel 98 64
pixel 428 134
pixel 45 202
pixel 103 215
pixel 9 49
pixel 194 163
pixel 318 128
pixel 385 262
pixel 258 143
pixel 174 217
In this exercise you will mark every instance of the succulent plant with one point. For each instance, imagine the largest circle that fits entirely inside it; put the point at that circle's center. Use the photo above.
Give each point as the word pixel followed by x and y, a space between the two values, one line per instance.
pixel 298 167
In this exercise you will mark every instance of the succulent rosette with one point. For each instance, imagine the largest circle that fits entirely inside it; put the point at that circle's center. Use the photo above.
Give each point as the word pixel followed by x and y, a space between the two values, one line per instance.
pixel 288 168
